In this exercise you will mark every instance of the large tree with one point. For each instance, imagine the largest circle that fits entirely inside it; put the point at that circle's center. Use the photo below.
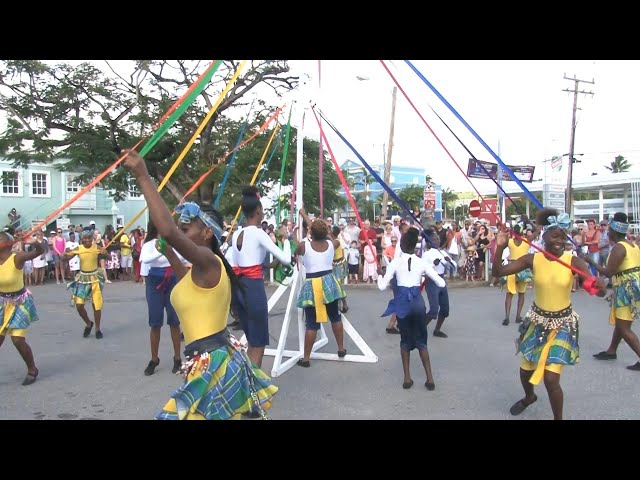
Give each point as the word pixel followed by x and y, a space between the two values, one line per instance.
pixel 84 115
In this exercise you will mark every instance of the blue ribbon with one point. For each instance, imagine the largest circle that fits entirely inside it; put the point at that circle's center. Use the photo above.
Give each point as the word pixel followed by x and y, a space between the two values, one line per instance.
pixel 232 160
pixel 453 110
pixel 389 190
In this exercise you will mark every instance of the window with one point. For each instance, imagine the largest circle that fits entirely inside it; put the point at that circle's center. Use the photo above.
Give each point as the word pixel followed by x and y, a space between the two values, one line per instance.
pixel 72 186
pixel 40 184
pixel 134 193
pixel 11 183
pixel 86 201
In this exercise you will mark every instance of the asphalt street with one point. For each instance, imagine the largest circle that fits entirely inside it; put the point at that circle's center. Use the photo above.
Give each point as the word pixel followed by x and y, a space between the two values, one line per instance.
pixel 475 369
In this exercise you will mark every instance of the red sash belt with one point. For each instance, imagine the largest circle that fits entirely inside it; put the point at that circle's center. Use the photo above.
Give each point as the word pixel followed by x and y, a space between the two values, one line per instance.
pixel 254 271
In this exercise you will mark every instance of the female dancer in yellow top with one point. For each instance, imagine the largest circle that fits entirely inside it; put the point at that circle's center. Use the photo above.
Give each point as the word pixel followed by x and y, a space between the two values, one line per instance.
pixel 623 267
pixel 17 309
pixel 220 380
pixel 549 333
pixel 339 266
pixel 516 283
pixel 88 282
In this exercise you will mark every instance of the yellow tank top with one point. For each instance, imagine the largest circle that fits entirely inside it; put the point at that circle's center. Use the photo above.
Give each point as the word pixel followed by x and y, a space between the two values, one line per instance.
pixel 201 311
pixel 338 253
pixel 88 258
pixel 631 259
pixel 11 279
pixel 515 251
pixel 552 282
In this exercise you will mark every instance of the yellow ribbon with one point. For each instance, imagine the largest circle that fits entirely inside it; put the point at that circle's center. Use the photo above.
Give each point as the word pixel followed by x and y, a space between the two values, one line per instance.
pixel 8 312
pixel 187 147
pixel 318 299
pixel 538 374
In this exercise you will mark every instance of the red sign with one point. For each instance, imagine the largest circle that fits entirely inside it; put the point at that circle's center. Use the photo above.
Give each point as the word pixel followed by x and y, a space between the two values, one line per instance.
pixel 474 208
pixel 429 198
pixel 489 211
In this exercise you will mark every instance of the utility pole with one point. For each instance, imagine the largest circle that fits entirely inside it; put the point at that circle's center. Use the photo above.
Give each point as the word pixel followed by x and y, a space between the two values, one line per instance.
pixel 575 91
pixel 387 163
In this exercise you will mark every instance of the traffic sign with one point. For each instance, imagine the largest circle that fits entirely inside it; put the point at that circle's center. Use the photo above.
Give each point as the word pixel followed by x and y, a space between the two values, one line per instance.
pixel 474 208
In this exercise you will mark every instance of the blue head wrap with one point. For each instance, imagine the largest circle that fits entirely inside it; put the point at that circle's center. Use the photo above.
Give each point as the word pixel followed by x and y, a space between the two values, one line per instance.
pixel 190 210
pixel 618 226
pixel 561 221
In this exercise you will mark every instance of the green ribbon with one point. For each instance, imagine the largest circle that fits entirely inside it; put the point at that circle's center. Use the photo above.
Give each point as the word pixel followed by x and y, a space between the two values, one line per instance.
pixel 202 84
pixel 284 162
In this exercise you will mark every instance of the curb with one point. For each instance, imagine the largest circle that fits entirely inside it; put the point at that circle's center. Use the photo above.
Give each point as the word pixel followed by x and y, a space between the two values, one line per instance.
pixel 374 286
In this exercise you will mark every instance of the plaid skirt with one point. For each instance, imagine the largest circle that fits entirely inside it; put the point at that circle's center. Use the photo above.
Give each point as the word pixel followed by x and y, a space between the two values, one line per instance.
pixel 218 386
pixel 626 291
pixel 81 286
pixel 17 311
pixel 561 347
pixel 331 291
pixel 340 269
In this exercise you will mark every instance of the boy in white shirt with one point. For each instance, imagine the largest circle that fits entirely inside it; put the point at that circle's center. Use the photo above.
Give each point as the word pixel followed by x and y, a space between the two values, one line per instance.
pixel 353 259
pixel 438 296
pixel 74 263
pixel 408 304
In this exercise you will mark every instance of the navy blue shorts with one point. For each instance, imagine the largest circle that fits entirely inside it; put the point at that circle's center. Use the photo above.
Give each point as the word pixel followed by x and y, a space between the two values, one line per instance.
pixel 159 300
pixel 253 314
pixel 332 312
pixel 413 331
pixel 438 301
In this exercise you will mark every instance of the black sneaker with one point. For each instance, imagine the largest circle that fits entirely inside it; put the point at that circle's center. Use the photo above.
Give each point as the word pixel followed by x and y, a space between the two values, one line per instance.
pixel 99 334
pixel 151 367
pixel 177 365
pixel 252 414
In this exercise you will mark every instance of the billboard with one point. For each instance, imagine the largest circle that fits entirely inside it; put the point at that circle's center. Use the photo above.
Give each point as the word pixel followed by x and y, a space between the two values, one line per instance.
pixel 475 170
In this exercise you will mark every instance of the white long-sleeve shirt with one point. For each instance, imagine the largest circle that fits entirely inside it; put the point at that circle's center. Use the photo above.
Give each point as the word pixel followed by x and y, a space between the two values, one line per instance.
pixel 431 255
pixel 255 245
pixel 399 267
pixel 151 257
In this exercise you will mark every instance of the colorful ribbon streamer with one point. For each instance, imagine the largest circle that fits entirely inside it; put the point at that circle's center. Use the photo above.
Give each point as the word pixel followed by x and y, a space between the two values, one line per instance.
pixel 187 147
pixel 505 167
pixel 284 162
pixel 344 185
pixel 176 110
pixel 231 163
pixel 255 174
pixel 204 176
pixel 547 254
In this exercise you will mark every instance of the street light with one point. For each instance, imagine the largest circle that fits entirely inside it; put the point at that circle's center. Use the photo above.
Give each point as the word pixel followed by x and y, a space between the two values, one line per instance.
pixel 575 154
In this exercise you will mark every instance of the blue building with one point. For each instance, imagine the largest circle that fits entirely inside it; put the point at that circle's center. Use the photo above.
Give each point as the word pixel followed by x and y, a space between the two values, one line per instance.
pixel 40 189
pixel 399 178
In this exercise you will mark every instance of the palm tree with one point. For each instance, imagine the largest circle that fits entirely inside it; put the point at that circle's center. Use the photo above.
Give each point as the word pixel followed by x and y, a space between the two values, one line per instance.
pixel 448 196
pixel 619 165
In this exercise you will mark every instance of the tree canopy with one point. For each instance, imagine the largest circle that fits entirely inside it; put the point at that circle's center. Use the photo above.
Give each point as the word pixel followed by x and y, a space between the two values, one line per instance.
pixel 85 115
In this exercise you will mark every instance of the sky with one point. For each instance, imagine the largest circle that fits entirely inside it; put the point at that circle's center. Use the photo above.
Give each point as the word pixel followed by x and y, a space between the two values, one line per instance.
pixel 517 107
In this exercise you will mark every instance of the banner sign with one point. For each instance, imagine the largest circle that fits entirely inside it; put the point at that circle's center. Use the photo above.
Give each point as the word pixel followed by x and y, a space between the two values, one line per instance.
pixel 474 170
